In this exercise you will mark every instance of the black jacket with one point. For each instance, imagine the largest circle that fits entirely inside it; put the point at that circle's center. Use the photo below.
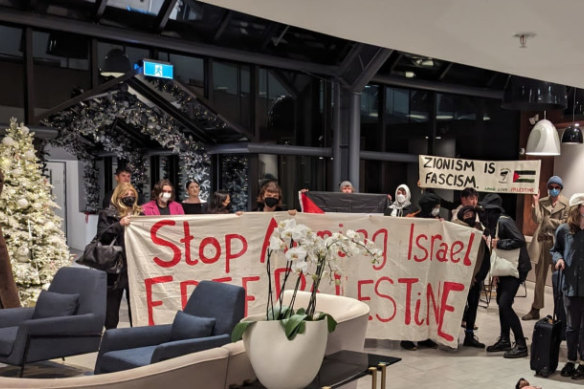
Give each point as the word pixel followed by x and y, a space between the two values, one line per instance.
pixel 511 238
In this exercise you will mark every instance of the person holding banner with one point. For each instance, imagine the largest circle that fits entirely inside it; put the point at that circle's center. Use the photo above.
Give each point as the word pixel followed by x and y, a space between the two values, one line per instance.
pixel 548 212
pixel 467 216
pixel 111 227
pixel 568 256
pixel 468 197
pixel 193 204
pixel 220 202
pixel 162 202
pixel 430 209
pixel 506 237
pixel 401 206
pixel 346 187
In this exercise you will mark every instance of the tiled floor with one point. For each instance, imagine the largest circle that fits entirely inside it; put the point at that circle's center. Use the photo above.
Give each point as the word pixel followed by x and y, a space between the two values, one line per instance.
pixel 464 368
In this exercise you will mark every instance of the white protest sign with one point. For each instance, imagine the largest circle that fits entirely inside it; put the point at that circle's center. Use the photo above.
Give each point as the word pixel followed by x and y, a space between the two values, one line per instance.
pixel 417 291
pixel 519 177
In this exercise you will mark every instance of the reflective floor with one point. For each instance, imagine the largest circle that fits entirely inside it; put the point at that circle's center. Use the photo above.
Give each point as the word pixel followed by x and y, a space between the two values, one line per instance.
pixel 462 368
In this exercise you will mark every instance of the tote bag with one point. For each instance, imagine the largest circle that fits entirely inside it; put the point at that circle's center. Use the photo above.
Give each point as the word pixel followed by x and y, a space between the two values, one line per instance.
pixel 504 262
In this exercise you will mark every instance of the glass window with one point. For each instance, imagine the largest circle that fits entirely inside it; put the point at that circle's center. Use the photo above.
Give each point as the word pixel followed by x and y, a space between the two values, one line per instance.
pixel 231 88
pixel 61 49
pixel 10 44
pixel 370 104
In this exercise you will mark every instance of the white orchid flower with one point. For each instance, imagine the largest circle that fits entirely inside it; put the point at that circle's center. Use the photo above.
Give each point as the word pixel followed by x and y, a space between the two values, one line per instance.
pixel 296 254
pixel 299 267
pixel 276 244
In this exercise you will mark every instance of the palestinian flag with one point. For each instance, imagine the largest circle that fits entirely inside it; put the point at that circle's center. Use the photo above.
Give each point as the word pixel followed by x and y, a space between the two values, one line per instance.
pixel 321 202
pixel 524 176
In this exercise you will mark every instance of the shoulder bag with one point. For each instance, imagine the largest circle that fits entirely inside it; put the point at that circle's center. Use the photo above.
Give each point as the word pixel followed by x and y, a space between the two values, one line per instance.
pixel 103 257
pixel 504 262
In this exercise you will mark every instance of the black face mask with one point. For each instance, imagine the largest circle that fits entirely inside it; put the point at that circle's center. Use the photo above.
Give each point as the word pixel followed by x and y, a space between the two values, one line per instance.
pixel 470 221
pixel 128 201
pixel 271 201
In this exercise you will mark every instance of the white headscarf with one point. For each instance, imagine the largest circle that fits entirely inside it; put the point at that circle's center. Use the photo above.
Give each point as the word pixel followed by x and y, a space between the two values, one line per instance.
pixel 397 207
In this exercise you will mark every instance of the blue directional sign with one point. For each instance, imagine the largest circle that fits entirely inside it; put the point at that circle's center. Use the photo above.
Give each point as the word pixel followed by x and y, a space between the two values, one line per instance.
pixel 157 69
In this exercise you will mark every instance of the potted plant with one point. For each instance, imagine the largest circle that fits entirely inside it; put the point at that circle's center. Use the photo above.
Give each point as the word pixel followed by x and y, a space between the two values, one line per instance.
pixel 287 344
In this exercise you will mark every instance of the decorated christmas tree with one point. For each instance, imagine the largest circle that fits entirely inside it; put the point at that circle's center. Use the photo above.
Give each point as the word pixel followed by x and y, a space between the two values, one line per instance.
pixel 36 244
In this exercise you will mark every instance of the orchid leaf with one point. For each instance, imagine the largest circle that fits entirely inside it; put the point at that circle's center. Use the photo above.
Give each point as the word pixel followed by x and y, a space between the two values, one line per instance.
pixel 294 325
pixel 330 321
pixel 239 330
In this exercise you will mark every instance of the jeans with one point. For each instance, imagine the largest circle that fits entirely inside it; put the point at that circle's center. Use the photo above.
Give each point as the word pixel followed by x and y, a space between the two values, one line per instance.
pixel 506 290
pixel 575 327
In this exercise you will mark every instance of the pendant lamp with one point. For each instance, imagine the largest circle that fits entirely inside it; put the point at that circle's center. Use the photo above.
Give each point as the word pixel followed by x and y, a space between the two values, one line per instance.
pixel 543 139
pixel 573 134
pixel 527 94
pixel 116 64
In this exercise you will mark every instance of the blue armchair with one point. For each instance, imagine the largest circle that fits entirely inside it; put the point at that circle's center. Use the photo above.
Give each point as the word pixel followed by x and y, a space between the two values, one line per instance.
pixel 67 319
pixel 206 322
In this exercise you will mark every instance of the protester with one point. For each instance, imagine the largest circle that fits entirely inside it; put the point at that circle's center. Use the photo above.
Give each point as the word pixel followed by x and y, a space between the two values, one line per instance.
pixel 346 187
pixel 193 205
pixel 467 216
pixel 524 384
pixel 468 197
pixel 162 200
pixel 430 209
pixel 548 212
pixel 122 174
pixel 568 256
pixel 220 202
pixel 402 205
pixel 110 227
pixel 508 238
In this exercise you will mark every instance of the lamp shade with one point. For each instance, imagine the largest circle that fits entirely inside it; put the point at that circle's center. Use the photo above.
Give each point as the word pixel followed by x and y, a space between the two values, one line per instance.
pixel 543 139
pixel 527 94
pixel 116 64
pixel 572 134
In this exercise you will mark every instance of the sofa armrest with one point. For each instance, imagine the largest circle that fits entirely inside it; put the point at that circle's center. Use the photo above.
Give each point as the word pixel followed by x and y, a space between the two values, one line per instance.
pixel 12 317
pixel 86 324
pixel 124 338
pixel 186 346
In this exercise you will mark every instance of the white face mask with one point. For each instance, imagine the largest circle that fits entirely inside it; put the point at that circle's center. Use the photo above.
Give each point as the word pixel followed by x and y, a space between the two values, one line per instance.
pixel 400 198
pixel 435 212
pixel 165 197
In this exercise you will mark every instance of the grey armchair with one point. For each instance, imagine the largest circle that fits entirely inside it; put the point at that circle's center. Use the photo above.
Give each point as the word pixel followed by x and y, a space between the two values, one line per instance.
pixel 206 322
pixel 67 320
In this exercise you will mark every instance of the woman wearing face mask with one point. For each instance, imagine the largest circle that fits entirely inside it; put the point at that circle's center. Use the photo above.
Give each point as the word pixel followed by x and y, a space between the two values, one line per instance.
pixel 568 255
pixel 402 206
pixel 110 227
pixel 162 202
pixel 193 205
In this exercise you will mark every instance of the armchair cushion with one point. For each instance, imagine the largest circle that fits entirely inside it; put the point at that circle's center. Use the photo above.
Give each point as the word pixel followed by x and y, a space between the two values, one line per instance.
pixel 51 304
pixel 187 326
pixel 7 338
pixel 126 359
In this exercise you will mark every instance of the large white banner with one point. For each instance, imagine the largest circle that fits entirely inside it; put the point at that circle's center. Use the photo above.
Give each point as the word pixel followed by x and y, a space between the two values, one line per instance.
pixel 519 177
pixel 417 291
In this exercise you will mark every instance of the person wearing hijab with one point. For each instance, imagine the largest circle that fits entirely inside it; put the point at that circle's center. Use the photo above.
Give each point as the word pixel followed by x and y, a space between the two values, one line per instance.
pixel 508 237
pixel 402 205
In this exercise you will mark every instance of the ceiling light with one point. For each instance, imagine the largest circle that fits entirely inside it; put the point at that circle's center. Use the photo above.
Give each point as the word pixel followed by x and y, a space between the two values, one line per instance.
pixel 116 64
pixel 409 74
pixel 527 94
pixel 573 134
pixel 543 139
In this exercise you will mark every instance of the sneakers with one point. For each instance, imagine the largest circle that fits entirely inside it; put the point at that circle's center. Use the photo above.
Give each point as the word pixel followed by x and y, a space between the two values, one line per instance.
pixel 500 345
pixel 531 315
pixel 568 369
pixel 428 344
pixel 578 374
pixel 472 341
pixel 408 345
pixel 519 352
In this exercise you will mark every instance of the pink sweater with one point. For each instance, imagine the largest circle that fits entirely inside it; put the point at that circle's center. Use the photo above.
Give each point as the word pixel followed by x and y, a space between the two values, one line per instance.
pixel 150 208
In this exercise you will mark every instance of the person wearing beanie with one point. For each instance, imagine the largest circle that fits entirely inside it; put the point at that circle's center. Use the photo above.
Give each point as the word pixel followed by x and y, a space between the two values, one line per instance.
pixel 502 233
pixel 568 256
pixel 548 213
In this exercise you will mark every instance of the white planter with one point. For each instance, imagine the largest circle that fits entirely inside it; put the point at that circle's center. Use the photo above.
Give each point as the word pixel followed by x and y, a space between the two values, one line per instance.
pixel 280 363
